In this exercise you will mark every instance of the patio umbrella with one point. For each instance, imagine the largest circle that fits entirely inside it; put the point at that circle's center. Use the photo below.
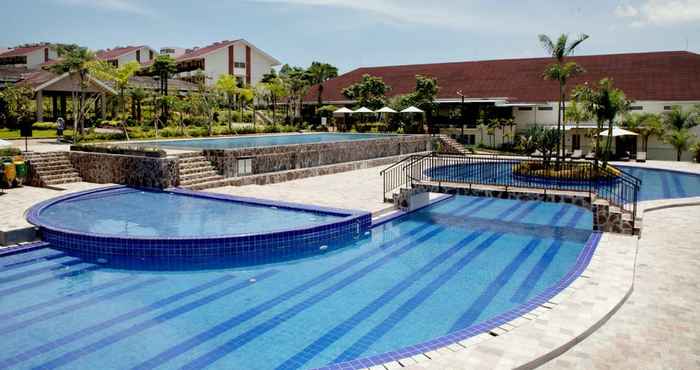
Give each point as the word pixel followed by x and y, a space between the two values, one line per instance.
pixel 412 109
pixel 345 112
pixel 386 110
pixel 363 110
pixel 616 131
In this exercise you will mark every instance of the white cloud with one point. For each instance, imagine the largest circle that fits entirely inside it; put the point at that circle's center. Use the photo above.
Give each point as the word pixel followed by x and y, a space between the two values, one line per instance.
pixel 406 11
pixel 126 6
pixel 658 12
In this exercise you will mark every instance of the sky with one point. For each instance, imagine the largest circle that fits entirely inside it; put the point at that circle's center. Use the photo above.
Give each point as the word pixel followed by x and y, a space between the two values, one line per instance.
pixel 360 33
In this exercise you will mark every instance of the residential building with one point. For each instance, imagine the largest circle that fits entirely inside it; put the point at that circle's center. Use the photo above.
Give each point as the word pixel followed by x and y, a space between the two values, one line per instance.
pixel 122 55
pixel 29 57
pixel 173 51
pixel 515 88
pixel 235 57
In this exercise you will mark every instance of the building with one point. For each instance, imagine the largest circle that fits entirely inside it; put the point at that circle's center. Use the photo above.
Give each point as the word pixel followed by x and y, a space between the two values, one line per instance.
pixel 173 51
pixel 122 55
pixel 29 57
pixel 237 57
pixel 515 88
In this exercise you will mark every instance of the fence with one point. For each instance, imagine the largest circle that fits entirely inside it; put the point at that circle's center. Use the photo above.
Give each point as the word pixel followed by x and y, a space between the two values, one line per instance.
pixel 616 186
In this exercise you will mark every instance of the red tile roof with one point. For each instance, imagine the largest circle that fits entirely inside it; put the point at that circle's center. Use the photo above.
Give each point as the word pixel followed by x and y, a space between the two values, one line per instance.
pixel 21 51
pixel 200 52
pixel 116 52
pixel 667 76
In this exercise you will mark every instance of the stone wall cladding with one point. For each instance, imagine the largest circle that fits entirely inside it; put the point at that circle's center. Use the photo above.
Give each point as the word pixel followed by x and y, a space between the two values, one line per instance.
pixel 605 218
pixel 103 168
pixel 291 157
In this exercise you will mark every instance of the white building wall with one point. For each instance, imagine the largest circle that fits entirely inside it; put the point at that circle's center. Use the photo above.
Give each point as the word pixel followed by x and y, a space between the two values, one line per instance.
pixel 35 58
pixel 216 64
pixel 260 66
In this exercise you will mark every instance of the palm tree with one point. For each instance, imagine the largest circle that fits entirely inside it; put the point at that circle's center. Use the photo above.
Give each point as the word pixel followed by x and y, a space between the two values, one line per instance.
pixel 605 103
pixel 318 74
pixel 77 62
pixel 163 67
pixel 680 140
pixel 137 96
pixel 678 119
pixel 228 86
pixel 561 71
pixel 646 125
pixel 575 115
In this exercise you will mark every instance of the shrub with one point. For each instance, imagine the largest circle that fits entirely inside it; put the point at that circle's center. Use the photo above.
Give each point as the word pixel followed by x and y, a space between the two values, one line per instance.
pixel 44 126
pixel 121 149
pixel 10 152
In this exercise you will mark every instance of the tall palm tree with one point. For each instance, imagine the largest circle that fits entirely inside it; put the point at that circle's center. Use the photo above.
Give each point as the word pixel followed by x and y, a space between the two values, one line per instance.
pixel 646 125
pixel 163 66
pixel 605 103
pixel 318 74
pixel 575 114
pixel 561 71
pixel 77 62
pixel 678 118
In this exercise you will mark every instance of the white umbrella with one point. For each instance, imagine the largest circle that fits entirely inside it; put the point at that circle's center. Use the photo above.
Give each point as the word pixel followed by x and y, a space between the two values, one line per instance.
pixel 363 110
pixel 616 131
pixel 342 110
pixel 386 110
pixel 5 144
pixel 411 109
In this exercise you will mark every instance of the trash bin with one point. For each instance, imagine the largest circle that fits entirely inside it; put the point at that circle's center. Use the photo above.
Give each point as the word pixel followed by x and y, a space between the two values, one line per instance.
pixel 21 171
pixel 10 174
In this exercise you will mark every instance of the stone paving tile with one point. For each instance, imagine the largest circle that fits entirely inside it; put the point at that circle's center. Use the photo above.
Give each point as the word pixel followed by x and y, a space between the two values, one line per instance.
pixel 659 326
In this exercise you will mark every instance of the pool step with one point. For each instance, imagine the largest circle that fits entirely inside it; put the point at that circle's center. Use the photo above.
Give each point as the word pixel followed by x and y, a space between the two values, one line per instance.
pixel 52 168
pixel 195 170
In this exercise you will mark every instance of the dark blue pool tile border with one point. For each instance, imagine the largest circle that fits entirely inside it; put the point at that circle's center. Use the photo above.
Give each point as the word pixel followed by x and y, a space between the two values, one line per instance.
pixel 581 264
pixel 350 225
pixel 399 214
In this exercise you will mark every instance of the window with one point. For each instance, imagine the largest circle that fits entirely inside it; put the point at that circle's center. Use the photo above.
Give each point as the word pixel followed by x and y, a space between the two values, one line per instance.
pixel 667 107
pixel 636 107
pixel 524 108
pixel 544 108
pixel 239 64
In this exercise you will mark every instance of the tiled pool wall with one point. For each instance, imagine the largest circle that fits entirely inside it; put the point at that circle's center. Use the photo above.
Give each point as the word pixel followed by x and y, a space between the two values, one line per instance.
pixel 133 170
pixel 352 225
pixel 290 157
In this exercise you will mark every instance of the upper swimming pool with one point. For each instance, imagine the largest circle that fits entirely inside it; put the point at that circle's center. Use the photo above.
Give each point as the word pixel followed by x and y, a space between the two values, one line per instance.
pixel 123 220
pixel 263 141
pixel 410 285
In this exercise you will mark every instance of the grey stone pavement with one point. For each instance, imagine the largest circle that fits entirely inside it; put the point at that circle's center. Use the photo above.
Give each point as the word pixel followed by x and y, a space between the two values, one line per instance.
pixel 659 325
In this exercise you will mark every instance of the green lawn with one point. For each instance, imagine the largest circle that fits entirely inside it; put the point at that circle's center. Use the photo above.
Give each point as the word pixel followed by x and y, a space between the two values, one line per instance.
pixel 14 134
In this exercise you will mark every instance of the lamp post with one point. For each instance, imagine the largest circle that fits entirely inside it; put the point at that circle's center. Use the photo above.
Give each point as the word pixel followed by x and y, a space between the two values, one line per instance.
pixel 459 92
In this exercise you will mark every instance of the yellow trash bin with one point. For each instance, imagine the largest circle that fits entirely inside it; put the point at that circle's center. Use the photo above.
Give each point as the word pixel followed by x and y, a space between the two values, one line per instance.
pixel 10 173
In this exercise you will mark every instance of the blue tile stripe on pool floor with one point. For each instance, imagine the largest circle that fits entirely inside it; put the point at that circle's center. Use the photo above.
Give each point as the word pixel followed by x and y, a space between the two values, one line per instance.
pixel 33 284
pixel 381 329
pixel 62 299
pixel 477 307
pixel 18 264
pixel 79 305
pixel 346 326
pixel 229 324
pixel 251 334
pixel 580 265
pixel 38 270
pixel 69 357
pixel 96 328
pixel 536 273
pixel 557 217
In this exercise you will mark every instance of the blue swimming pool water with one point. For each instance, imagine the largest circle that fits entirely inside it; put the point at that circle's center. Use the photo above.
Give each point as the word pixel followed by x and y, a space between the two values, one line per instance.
pixel 656 184
pixel 264 140
pixel 438 270
pixel 143 213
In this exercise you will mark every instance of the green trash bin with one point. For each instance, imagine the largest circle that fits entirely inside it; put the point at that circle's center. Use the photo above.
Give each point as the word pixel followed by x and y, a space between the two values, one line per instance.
pixel 20 171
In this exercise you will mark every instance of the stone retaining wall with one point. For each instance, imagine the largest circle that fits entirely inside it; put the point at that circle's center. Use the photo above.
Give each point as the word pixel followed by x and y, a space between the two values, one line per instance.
pixel 291 157
pixel 103 168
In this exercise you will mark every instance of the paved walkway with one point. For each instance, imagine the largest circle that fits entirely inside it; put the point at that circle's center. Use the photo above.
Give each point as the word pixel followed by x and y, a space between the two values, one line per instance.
pixel 659 326
pixel 359 189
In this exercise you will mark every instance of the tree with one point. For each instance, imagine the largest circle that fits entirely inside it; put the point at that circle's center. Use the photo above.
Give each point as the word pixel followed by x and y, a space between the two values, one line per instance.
pixel 605 103
pixel 541 139
pixel 318 74
pixel 561 71
pixel 228 86
pixel 370 92
pixel 678 118
pixel 120 77
pixel 77 62
pixel 645 124
pixel 424 95
pixel 137 96
pixel 163 67
pixel 15 101
pixel 297 81
pixel 680 139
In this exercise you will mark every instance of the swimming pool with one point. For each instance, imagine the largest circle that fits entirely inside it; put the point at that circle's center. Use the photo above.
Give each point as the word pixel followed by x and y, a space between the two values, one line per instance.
pixel 131 221
pixel 418 282
pixel 263 141
pixel 655 183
